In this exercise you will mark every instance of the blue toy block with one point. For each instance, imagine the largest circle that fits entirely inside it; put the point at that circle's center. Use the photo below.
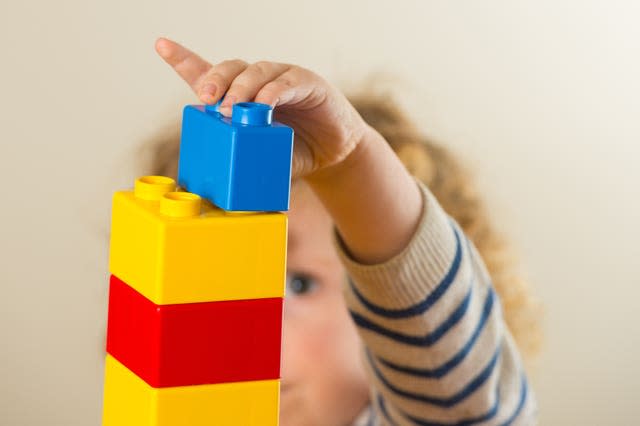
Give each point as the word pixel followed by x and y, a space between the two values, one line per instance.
pixel 238 163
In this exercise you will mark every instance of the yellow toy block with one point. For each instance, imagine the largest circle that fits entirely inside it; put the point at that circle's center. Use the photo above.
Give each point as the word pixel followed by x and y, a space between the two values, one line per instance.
pixel 173 247
pixel 129 401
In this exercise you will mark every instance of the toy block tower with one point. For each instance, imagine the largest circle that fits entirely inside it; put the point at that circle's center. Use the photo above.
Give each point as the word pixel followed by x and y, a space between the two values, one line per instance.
pixel 196 291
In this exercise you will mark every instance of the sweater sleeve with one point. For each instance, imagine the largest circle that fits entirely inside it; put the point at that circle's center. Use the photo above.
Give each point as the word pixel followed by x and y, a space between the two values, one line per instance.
pixel 436 347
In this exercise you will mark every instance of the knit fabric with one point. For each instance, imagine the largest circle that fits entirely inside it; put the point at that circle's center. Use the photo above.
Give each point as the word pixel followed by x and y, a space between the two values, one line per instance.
pixel 436 347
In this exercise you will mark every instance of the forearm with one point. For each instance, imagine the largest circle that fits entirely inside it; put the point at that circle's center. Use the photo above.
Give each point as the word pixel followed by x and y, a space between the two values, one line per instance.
pixel 437 348
pixel 373 200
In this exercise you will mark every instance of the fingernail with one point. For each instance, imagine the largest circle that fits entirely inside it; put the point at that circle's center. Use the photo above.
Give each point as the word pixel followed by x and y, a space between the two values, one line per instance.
pixel 208 91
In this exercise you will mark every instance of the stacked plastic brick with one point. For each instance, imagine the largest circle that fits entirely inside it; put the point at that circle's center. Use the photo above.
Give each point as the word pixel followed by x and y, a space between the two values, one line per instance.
pixel 196 291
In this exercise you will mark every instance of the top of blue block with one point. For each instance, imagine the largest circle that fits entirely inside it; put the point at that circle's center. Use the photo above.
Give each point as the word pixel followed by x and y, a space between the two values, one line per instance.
pixel 251 114
pixel 247 113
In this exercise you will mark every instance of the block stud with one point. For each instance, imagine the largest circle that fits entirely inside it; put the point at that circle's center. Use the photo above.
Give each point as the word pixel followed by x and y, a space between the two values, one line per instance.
pixel 180 204
pixel 152 188
pixel 251 114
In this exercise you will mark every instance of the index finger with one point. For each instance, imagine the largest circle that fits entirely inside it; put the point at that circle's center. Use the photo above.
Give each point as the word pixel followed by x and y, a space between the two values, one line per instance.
pixel 187 64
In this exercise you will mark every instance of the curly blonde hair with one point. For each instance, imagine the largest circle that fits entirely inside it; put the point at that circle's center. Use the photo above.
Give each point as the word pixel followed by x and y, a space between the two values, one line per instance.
pixel 451 184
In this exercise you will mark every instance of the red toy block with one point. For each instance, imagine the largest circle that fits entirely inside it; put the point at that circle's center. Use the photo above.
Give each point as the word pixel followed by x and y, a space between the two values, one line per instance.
pixel 194 343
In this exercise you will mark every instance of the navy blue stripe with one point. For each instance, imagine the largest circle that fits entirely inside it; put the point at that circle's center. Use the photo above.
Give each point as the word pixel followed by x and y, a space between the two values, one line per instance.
pixel 524 390
pixel 493 411
pixel 422 306
pixel 383 409
pixel 442 370
pixel 474 385
pixel 465 422
pixel 427 340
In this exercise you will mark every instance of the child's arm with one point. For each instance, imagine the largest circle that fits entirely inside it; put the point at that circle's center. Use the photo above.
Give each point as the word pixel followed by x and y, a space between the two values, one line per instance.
pixel 424 306
pixel 349 165
pixel 436 345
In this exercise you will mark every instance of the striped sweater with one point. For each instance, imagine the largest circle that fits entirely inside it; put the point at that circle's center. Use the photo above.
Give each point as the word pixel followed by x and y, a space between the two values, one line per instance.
pixel 436 347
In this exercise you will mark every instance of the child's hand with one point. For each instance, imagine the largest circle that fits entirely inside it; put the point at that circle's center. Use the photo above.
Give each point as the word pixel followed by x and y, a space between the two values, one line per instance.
pixel 351 168
pixel 326 127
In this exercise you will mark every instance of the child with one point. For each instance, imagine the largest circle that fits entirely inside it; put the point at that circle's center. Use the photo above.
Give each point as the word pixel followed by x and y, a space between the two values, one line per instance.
pixel 415 335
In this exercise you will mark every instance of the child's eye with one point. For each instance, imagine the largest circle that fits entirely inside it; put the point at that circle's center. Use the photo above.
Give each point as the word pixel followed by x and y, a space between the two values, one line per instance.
pixel 298 284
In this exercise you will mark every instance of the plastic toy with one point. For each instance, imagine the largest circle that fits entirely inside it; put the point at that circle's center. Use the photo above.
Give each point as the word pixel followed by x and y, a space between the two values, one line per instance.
pixel 194 343
pixel 180 249
pixel 241 163
pixel 195 301
pixel 129 401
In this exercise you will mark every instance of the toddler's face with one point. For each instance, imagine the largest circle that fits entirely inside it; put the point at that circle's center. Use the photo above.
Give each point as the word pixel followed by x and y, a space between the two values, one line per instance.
pixel 323 381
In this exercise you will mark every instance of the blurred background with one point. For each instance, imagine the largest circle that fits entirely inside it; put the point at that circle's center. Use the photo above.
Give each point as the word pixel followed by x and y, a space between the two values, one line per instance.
pixel 541 98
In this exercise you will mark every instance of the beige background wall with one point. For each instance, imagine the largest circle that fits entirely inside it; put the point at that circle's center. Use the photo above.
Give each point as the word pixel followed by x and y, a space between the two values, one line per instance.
pixel 541 97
